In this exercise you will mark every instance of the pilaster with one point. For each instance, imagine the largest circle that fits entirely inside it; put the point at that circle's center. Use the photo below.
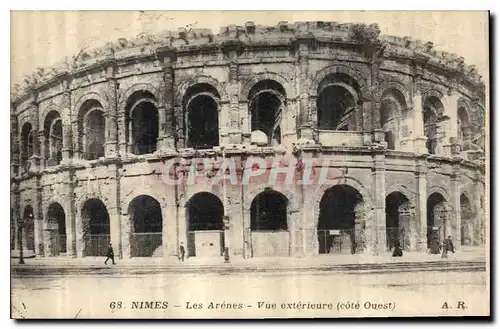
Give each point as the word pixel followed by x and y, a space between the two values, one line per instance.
pixel 378 172
pixel 305 124
pixel 111 144
pixel 421 204
pixel 167 135
pixel 455 196
pixel 418 136
pixel 234 111
pixel 67 149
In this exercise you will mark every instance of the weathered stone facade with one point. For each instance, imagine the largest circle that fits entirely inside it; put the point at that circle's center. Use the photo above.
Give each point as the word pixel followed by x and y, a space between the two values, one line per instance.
pixel 411 125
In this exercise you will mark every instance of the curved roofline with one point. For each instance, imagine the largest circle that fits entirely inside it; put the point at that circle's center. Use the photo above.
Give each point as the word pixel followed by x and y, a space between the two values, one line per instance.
pixel 250 35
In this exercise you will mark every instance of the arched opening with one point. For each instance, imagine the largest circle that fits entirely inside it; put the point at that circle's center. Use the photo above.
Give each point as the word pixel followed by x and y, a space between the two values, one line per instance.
pixel 56 229
pixel 337 103
pixel 205 225
pixel 433 109
pixel 142 123
pixel 147 227
pixel 96 233
pixel 53 143
pixel 339 230
pixel 266 101
pixel 397 219
pixel 201 110
pixel 269 224
pixel 92 130
pixel 26 142
pixel 463 128
pixel 467 227
pixel 29 227
pixel 438 221
pixel 391 108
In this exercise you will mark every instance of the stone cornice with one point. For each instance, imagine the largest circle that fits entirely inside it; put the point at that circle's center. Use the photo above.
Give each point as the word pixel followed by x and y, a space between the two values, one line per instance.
pixel 250 37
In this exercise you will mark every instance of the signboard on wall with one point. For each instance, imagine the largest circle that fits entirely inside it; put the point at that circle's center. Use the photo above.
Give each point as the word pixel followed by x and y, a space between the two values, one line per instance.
pixel 334 232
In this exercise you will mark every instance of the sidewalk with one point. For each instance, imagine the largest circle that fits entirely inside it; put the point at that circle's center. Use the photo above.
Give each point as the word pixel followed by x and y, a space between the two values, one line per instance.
pixel 474 257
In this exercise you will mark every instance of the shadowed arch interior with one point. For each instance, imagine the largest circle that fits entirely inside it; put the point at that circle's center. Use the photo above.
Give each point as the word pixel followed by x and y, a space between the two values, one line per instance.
pixel 29 227
pixel 205 211
pixel 95 219
pixel 433 109
pixel 92 129
pixel 200 104
pixel 337 219
pixel 337 102
pixel 392 106
pixel 397 220
pixel 466 216
pixel 147 226
pixel 26 141
pixel 53 143
pixel 142 123
pixel 56 219
pixel 266 104
pixel 268 212
pixel 436 218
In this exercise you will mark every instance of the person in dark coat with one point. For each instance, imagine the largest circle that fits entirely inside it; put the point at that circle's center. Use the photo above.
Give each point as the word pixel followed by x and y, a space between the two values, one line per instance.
pixel 447 246
pixel 182 252
pixel 398 252
pixel 110 255
pixel 435 247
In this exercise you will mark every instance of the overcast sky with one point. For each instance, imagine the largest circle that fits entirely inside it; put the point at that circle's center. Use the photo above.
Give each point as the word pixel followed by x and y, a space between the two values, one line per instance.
pixel 40 39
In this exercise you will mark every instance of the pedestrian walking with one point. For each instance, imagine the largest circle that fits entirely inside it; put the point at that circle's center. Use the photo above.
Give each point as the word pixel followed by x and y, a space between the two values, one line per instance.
pixel 182 252
pixel 447 246
pixel 110 255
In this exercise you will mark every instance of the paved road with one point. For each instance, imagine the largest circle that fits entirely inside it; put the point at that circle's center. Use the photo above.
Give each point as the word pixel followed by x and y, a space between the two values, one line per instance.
pixel 174 295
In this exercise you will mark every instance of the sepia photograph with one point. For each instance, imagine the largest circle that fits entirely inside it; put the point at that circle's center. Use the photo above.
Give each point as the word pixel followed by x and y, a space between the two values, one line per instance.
pixel 249 164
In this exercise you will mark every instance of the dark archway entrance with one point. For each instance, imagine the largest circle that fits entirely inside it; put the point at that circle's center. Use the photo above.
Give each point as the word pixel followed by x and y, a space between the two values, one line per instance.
pixel 339 231
pixel 437 219
pixel 56 230
pixel 397 220
pixel 466 217
pixel 205 225
pixel 269 224
pixel 147 223
pixel 96 233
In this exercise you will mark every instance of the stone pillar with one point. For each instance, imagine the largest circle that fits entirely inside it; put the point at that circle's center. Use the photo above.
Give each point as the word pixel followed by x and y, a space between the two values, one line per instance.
pixel 418 136
pixel 478 215
pixel 69 186
pixel 67 149
pixel 114 210
pixel 234 111
pixel 305 124
pixel 43 156
pixel 367 120
pixel 35 158
pixel 167 126
pixel 111 115
pixel 421 206
pixel 247 234
pixel 38 219
pixel 169 234
pixel 450 102
pixel 126 232
pixel 79 233
pixel 455 202
pixel 378 172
